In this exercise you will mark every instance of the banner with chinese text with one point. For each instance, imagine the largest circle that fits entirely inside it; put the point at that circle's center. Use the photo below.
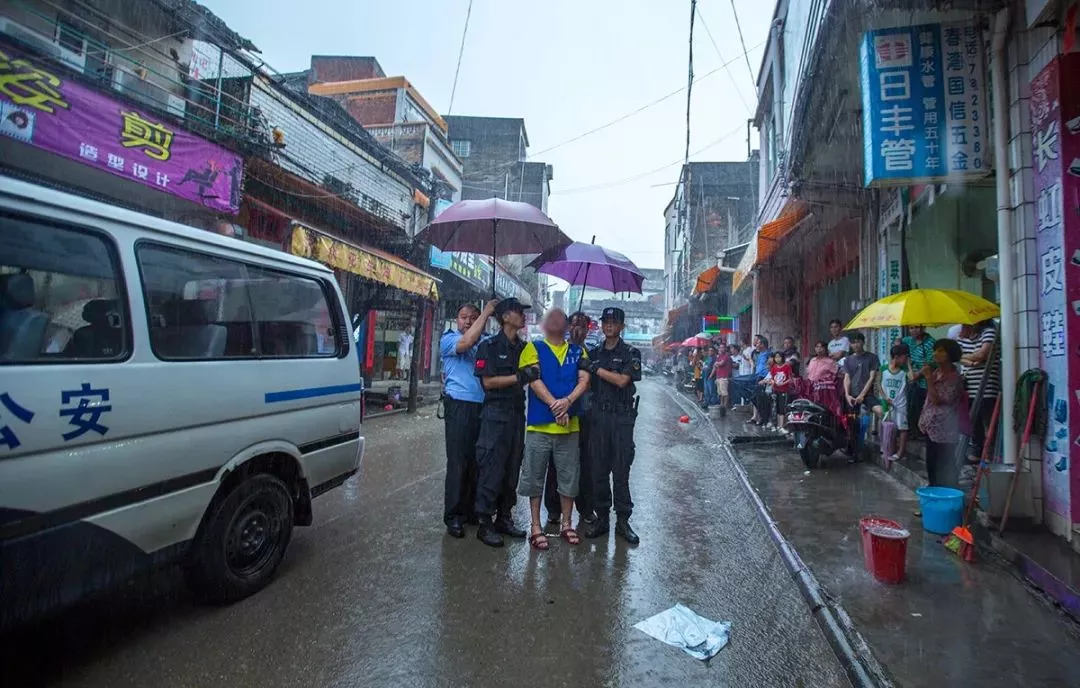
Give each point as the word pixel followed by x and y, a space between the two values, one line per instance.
pixel 924 104
pixel 45 110
pixel 367 263
pixel 1055 125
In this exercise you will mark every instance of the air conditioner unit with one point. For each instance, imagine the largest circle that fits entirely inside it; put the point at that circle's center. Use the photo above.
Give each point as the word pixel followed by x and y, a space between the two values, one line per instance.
pixel 43 44
pixel 147 92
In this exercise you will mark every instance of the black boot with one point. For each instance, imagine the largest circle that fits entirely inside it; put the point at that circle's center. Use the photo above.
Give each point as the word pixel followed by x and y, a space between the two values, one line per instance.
pixel 455 528
pixel 597 528
pixel 487 535
pixel 623 530
pixel 507 527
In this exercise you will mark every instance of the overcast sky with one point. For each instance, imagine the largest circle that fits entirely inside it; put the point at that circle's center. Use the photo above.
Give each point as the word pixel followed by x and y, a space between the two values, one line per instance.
pixel 565 66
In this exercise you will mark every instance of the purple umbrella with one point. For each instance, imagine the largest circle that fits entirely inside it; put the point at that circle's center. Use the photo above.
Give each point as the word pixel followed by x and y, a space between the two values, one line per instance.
pixel 589 265
pixel 493 227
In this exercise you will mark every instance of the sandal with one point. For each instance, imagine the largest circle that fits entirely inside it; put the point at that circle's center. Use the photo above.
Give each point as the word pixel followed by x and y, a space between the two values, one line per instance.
pixel 570 535
pixel 539 540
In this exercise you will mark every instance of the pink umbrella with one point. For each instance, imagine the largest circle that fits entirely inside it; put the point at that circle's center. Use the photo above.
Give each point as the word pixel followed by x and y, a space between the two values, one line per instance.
pixel 493 227
pixel 695 342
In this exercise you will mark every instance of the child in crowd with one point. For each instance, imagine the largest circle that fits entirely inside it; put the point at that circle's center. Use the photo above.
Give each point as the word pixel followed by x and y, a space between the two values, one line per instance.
pixel 783 384
pixel 895 378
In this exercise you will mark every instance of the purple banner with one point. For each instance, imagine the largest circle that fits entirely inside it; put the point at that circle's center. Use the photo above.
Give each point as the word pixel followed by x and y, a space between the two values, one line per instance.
pixel 40 107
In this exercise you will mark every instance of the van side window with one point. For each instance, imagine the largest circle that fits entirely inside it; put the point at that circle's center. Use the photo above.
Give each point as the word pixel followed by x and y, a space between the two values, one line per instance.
pixel 61 295
pixel 292 315
pixel 207 307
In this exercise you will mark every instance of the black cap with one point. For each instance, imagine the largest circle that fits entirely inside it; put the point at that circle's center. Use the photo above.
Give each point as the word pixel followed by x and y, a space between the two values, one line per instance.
pixel 507 305
pixel 613 313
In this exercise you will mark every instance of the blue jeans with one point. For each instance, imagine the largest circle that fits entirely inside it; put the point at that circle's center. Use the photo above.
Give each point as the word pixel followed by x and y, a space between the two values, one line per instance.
pixel 711 399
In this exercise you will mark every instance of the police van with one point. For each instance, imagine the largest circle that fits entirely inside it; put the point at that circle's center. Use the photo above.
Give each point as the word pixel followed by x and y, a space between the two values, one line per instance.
pixel 166 394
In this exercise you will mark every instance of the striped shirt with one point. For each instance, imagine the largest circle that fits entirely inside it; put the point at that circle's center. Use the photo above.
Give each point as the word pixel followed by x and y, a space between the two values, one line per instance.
pixel 973 375
pixel 922 353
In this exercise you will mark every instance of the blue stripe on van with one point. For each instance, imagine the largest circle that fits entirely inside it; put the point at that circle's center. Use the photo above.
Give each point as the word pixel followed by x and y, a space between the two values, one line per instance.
pixel 311 392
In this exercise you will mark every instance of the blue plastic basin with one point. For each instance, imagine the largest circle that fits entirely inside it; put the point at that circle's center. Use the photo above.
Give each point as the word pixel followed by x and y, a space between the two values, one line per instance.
pixel 942 508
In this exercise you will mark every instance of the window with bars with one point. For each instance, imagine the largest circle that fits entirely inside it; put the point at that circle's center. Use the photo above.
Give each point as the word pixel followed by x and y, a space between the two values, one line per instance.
pixel 461 147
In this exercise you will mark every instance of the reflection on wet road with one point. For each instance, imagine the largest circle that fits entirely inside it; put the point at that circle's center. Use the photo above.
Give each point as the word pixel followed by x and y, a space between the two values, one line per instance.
pixel 375 594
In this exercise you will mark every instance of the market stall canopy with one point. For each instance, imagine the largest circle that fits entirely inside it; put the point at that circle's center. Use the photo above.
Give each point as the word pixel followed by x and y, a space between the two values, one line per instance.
pixel 364 261
pixel 493 227
pixel 931 307
pixel 590 265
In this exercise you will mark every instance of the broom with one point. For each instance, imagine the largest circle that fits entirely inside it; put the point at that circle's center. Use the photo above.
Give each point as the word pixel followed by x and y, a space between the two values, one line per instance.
pixel 960 542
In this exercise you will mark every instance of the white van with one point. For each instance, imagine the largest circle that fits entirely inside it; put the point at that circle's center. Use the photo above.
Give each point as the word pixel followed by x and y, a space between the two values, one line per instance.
pixel 165 394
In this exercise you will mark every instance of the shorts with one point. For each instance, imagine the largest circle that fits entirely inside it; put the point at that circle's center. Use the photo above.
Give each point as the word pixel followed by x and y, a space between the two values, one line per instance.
pixel 898 415
pixel 699 384
pixel 722 386
pixel 542 447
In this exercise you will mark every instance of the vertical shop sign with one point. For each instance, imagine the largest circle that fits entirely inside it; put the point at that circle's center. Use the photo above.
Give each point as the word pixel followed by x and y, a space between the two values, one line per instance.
pixel 1047 156
pixel 1070 207
pixel 924 104
pixel 889 242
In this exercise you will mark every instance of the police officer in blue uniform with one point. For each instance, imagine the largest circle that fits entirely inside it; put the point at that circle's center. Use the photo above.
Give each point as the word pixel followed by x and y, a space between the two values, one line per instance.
pixel 615 367
pixel 463 399
pixel 501 443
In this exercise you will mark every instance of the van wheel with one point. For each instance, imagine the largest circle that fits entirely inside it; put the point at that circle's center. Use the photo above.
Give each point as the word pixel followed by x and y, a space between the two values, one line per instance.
pixel 243 541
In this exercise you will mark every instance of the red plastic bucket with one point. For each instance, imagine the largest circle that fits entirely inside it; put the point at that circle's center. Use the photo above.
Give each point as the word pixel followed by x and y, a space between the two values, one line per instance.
pixel 884 548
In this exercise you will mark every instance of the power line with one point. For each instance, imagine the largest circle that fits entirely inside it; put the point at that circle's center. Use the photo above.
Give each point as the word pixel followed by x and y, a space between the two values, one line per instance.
pixel 627 180
pixel 716 47
pixel 461 52
pixel 690 76
pixel 617 120
pixel 738 26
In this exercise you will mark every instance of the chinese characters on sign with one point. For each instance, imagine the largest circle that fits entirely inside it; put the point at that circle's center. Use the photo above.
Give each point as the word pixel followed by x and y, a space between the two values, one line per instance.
pixel 40 108
pixel 84 415
pixel 923 104
pixel 476 270
pixel 1055 148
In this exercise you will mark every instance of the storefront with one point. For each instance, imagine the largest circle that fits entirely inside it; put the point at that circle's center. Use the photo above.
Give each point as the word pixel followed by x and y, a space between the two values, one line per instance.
pixel 381 291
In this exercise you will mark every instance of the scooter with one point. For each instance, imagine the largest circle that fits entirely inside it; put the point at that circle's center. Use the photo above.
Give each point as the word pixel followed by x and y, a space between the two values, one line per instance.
pixel 817 426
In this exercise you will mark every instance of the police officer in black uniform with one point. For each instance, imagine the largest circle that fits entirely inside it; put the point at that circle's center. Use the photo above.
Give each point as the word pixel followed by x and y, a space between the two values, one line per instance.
pixel 502 425
pixel 615 367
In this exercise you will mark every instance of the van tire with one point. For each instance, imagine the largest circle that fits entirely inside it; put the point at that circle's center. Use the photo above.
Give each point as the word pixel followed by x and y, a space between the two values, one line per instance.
pixel 242 541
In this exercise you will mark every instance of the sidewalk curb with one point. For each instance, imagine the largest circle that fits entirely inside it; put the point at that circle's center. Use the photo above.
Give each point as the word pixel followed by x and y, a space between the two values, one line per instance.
pixel 851 650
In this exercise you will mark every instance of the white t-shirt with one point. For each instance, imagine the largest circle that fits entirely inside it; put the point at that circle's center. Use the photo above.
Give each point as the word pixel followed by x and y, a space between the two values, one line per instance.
pixel 954 332
pixel 746 365
pixel 841 343
pixel 894 385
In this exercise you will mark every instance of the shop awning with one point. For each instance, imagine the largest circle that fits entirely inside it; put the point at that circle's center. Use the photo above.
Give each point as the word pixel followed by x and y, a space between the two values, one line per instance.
pixel 674 315
pixel 772 234
pixel 766 242
pixel 364 261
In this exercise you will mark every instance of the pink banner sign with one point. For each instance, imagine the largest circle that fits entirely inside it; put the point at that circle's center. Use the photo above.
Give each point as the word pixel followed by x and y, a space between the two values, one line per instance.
pixel 40 107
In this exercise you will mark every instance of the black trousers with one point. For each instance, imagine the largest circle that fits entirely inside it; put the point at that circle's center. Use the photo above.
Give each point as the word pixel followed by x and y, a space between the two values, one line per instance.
pixel 462 433
pixel 551 488
pixel 611 449
pixel 981 424
pixel 498 460
pixel 763 404
pixel 942 465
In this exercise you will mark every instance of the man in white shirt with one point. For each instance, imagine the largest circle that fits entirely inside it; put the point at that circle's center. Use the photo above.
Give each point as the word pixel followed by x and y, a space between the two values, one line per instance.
pixel 839 345
pixel 404 354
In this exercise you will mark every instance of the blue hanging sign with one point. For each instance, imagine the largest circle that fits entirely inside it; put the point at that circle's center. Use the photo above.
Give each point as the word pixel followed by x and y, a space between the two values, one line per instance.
pixel 924 104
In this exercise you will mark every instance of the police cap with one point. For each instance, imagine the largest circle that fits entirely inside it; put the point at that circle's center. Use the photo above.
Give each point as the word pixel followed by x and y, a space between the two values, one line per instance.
pixel 613 313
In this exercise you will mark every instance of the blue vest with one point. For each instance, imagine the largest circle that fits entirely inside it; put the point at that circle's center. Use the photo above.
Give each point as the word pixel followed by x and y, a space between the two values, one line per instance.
pixel 559 379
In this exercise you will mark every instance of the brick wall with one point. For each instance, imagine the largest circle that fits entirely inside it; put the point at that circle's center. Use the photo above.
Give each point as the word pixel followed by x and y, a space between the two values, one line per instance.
pixel 373 108
pixel 335 68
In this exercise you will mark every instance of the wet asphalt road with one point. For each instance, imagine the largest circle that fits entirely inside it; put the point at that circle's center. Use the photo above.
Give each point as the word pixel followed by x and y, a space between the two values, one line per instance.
pixel 375 594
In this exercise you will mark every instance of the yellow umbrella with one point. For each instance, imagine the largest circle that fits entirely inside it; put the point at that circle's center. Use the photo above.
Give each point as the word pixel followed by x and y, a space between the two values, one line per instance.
pixel 925 307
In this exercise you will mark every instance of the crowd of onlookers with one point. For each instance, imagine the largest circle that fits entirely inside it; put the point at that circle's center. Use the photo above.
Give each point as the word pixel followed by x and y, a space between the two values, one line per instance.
pixel 927 387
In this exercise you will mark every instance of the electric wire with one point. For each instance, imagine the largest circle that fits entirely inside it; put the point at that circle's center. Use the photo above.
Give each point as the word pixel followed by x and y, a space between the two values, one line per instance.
pixel 461 53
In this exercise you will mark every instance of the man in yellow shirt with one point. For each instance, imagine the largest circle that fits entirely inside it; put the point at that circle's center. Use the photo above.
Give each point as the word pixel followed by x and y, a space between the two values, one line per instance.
pixel 552 422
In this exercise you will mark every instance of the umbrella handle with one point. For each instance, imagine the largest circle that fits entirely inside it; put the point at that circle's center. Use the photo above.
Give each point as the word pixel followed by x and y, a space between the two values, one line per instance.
pixel 581 299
